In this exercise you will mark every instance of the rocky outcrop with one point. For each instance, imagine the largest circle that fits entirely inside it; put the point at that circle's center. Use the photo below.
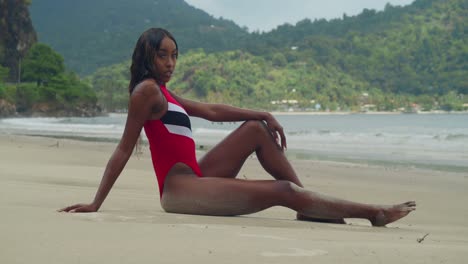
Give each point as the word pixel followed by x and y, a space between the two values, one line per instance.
pixel 17 34
pixel 6 108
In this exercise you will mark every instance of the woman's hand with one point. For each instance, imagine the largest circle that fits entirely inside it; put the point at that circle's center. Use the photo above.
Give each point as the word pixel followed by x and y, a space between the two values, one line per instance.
pixel 276 130
pixel 80 208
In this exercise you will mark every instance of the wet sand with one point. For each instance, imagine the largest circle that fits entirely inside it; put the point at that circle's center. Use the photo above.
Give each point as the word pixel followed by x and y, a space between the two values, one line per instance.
pixel 40 175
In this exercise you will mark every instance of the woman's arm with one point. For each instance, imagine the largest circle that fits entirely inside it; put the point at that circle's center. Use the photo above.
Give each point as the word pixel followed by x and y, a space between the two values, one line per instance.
pixel 227 113
pixel 220 112
pixel 143 101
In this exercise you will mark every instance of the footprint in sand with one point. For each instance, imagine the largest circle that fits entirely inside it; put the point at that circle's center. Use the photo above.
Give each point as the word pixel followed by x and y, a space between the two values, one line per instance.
pixel 296 252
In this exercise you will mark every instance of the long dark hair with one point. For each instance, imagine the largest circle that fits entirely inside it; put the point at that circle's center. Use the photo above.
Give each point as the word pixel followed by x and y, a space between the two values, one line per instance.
pixel 143 55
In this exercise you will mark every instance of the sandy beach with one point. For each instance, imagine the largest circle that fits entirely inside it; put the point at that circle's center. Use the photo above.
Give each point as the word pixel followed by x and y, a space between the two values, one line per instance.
pixel 40 175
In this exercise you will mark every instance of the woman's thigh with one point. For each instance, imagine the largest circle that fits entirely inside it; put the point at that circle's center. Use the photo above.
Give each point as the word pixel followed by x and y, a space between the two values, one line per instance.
pixel 189 194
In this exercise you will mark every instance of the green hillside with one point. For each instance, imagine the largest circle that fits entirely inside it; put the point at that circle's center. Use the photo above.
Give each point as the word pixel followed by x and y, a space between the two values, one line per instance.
pixel 418 49
pixel 399 58
pixel 92 34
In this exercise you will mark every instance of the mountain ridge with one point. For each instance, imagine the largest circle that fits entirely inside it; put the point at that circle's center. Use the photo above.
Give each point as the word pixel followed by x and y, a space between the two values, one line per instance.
pixel 92 34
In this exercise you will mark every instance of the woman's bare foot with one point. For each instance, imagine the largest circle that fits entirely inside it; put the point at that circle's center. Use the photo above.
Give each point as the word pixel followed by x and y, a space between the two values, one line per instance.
pixel 390 214
pixel 302 217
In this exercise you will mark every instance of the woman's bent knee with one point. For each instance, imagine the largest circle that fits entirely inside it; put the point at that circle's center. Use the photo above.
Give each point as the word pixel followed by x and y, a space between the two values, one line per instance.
pixel 256 126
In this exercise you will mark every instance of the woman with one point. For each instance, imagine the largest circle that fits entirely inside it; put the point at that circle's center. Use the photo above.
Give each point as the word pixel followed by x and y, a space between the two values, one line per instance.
pixel 209 187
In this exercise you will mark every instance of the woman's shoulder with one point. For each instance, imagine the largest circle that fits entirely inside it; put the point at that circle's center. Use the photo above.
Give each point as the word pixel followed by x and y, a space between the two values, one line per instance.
pixel 147 87
pixel 147 92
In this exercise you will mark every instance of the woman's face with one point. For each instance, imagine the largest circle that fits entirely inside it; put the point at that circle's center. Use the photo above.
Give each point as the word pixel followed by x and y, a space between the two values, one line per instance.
pixel 165 60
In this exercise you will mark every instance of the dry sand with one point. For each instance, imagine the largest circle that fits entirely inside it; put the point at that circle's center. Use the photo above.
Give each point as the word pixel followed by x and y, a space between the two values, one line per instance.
pixel 37 177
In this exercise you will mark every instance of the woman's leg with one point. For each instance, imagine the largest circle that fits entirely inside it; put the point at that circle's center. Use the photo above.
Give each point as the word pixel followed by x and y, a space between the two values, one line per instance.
pixel 188 194
pixel 226 159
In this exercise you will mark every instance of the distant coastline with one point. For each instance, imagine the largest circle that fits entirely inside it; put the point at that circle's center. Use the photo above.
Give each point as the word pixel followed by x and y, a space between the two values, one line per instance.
pixel 364 113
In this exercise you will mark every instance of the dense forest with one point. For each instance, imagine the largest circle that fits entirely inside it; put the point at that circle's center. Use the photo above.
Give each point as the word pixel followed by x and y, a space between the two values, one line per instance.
pixel 408 58
pixel 92 34
pixel 400 59
pixel 418 49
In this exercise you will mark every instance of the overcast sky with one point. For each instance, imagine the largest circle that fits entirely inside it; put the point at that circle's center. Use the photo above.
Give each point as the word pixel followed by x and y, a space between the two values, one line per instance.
pixel 265 15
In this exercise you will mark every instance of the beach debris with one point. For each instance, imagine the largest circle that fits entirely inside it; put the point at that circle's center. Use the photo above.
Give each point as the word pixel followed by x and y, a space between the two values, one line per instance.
pixel 420 240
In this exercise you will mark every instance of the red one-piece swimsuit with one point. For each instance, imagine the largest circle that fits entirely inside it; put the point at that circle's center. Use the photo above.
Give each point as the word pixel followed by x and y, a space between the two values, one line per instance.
pixel 170 140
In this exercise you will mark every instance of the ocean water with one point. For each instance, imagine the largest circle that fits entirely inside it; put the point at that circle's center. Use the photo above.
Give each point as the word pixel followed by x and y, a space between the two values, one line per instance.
pixel 433 141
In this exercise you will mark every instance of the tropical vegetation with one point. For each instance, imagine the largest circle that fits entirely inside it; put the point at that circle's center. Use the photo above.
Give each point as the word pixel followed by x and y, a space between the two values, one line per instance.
pixel 47 88
pixel 411 58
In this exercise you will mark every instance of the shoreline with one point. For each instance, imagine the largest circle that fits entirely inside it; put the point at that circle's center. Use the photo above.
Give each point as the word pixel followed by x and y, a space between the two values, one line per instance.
pixel 295 154
pixel 435 112
pixel 370 113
